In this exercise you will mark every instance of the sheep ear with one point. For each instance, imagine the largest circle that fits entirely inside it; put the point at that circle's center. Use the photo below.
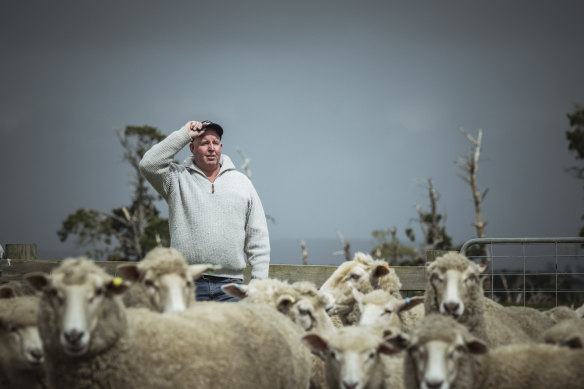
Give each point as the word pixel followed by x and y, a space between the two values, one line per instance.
pixel 482 267
pixel 380 270
pixel 573 342
pixel 117 286
pixel 476 346
pixel 409 303
pixel 129 271
pixel 317 344
pixel 284 302
pixel 7 292
pixel 196 271
pixel 37 280
pixel 394 343
pixel 235 290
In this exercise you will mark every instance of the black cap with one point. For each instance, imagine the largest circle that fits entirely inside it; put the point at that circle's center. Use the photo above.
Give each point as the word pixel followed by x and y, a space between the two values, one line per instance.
pixel 209 125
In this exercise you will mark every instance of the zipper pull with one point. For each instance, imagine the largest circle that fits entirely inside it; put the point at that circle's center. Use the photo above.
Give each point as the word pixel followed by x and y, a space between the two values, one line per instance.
pixel 212 188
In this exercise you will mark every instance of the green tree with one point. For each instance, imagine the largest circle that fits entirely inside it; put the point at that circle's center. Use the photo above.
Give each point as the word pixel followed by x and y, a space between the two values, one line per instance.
pixel 390 249
pixel 575 139
pixel 127 232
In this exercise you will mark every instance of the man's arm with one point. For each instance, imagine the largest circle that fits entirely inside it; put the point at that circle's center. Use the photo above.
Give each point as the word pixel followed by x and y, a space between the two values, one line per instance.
pixel 156 163
pixel 257 240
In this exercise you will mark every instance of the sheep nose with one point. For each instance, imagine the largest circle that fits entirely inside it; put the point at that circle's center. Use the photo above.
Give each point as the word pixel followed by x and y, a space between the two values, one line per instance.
pixel 349 385
pixel 434 384
pixel 73 337
pixel 452 307
pixel 36 355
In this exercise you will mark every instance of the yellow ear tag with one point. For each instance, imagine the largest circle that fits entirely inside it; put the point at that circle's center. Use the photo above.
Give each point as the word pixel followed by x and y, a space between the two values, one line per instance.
pixel 292 299
pixel 386 266
pixel 117 281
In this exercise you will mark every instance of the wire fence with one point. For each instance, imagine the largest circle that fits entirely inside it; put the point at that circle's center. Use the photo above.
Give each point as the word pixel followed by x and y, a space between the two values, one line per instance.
pixel 537 272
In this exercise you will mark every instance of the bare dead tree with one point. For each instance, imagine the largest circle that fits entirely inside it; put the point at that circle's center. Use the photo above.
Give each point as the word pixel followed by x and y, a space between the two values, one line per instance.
pixel 304 253
pixel 247 170
pixel 470 166
pixel 430 227
pixel 394 245
pixel 246 162
pixel 346 248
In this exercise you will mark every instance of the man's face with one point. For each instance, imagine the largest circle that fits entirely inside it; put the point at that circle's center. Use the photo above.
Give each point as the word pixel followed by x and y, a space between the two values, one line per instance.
pixel 206 150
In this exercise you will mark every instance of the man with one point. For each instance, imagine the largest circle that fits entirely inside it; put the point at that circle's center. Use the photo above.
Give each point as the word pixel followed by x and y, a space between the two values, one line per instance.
pixel 215 214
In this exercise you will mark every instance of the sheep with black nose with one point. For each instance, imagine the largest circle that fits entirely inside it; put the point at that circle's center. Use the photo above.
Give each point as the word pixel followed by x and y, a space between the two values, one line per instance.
pixel 442 354
pixel 359 357
pixel 453 288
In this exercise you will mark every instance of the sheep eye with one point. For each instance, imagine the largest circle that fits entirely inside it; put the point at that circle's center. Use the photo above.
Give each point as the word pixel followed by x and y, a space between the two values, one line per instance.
pixel 354 277
pixel 333 354
pixel 387 311
pixel 149 283
pixel 13 329
pixel 98 293
pixel 189 284
pixel 471 279
pixel 54 294
pixel 371 355
pixel 436 279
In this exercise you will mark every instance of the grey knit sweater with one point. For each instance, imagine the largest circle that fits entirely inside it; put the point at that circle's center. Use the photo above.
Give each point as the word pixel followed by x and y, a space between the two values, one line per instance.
pixel 209 222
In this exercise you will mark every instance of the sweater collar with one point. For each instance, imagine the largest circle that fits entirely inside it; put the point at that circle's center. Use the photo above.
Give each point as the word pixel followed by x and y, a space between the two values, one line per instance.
pixel 226 164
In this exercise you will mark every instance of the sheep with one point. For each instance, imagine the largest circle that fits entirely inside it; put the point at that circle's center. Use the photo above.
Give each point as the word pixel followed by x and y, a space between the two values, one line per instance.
pixel 569 332
pixel 16 289
pixel 453 288
pixel 300 301
pixel 363 274
pixel 21 352
pixel 382 308
pixel 532 321
pixel 560 313
pixel 358 357
pixel 92 340
pixel 442 353
pixel 162 281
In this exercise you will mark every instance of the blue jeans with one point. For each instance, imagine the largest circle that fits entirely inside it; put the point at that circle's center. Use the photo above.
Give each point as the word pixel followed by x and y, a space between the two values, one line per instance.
pixel 209 288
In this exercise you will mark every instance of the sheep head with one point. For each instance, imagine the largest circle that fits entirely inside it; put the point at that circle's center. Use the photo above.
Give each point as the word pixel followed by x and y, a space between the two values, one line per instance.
pixel 74 299
pixel 452 283
pixel 352 356
pixel 19 336
pixel 165 279
pixel 383 308
pixel 359 274
pixel 437 353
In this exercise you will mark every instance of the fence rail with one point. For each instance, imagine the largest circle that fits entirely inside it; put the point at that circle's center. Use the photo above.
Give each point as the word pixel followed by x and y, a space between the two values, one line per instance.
pixel 413 278
pixel 539 272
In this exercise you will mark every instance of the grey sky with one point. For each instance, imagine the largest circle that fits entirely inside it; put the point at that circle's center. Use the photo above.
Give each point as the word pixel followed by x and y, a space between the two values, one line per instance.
pixel 343 107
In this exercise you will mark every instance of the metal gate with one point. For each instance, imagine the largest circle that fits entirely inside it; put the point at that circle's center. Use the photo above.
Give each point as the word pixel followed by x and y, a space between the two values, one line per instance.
pixel 537 272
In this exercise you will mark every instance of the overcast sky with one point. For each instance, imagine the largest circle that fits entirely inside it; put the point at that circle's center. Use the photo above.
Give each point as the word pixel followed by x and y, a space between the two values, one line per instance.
pixel 344 108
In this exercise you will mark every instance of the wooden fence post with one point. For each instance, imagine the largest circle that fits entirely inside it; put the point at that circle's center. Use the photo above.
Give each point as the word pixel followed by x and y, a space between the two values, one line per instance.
pixel 21 251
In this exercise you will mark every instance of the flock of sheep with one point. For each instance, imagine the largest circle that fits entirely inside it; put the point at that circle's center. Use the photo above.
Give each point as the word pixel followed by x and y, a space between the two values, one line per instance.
pixel 80 327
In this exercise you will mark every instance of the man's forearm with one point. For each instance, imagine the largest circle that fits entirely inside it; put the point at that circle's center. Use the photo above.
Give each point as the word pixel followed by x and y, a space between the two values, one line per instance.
pixel 156 161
